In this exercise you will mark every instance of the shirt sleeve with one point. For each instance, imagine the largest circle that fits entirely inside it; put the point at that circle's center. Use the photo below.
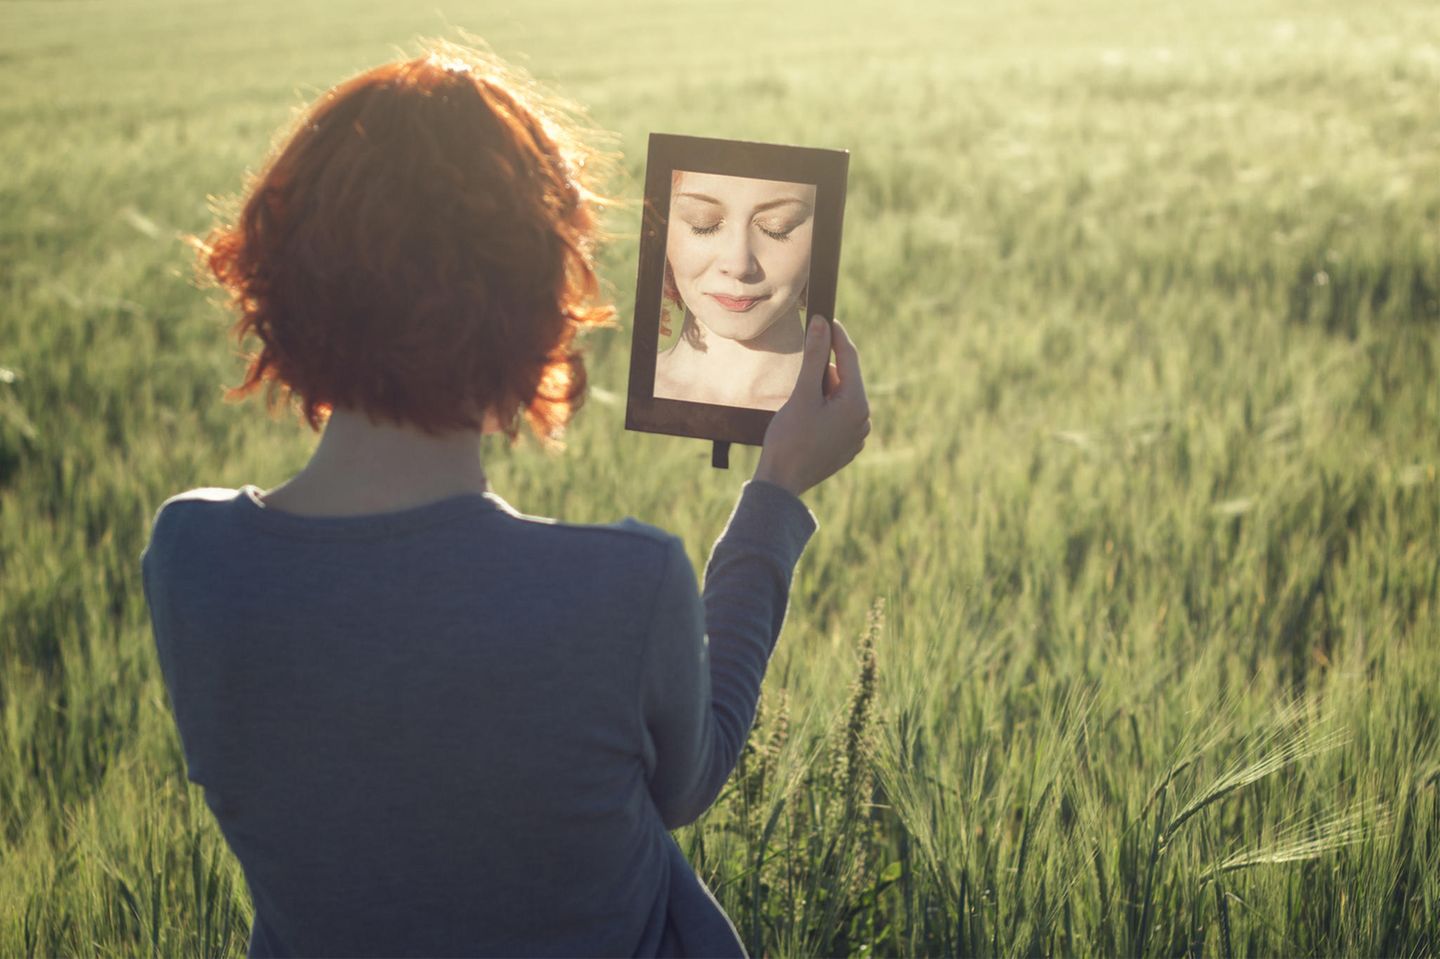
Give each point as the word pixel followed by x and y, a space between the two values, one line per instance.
pixel 157 562
pixel 704 661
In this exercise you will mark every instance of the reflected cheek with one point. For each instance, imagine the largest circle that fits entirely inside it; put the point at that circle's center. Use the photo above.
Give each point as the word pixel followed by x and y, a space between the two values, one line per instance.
pixel 788 263
pixel 794 269
pixel 789 271
pixel 688 258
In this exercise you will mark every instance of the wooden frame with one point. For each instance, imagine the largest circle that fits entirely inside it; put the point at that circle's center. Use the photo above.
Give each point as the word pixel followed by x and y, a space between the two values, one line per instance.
pixel 669 155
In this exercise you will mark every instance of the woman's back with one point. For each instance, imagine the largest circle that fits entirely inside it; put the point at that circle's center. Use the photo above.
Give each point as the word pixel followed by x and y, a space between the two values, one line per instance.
pixel 438 730
pixel 447 728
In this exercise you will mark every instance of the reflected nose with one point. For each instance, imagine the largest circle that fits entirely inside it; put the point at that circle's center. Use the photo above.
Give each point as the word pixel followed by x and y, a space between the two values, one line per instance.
pixel 737 258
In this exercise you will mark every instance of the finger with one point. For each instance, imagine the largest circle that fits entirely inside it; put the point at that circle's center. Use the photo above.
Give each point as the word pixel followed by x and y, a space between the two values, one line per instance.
pixel 847 360
pixel 832 379
pixel 817 352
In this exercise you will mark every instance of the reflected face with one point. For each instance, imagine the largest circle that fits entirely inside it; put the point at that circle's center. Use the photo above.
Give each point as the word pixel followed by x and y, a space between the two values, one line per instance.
pixel 740 250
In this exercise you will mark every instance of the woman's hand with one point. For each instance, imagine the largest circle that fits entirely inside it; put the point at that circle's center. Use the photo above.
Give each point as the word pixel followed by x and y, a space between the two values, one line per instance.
pixel 816 433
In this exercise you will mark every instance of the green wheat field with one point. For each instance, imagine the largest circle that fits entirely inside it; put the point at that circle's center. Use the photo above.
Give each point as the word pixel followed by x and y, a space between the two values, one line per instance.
pixel 1122 636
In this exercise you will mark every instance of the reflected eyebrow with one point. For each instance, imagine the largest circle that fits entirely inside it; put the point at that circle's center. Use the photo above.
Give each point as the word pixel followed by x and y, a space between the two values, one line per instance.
pixel 761 208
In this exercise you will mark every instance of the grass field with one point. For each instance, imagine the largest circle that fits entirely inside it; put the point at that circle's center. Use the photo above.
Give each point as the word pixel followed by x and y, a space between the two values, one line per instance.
pixel 1121 637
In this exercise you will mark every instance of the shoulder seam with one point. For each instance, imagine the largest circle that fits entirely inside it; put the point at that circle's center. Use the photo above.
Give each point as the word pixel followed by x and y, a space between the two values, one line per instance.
pixel 645 532
pixel 203 494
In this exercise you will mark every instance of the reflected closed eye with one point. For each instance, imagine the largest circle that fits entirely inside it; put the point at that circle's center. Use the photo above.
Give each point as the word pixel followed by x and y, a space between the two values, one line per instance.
pixel 781 235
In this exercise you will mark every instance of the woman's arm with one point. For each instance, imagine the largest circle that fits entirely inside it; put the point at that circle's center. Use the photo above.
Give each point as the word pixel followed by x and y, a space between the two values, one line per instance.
pixel 698 697
pixel 701 680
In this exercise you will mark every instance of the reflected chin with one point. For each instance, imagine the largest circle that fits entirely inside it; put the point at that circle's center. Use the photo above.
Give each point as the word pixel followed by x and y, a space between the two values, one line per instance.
pixel 741 326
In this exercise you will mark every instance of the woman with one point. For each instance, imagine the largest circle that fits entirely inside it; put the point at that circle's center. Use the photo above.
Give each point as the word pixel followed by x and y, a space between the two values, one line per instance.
pixel 737 259
pixel 426 723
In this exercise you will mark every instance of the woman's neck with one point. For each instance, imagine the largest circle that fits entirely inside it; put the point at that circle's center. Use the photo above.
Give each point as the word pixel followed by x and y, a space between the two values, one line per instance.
pixel 365 467
pixel 739 370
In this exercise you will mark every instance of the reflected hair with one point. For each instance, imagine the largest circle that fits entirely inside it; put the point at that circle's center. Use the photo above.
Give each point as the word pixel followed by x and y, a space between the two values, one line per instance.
pixel 420 247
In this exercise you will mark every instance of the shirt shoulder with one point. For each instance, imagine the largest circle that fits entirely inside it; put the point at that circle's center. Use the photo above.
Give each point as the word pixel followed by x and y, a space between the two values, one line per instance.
pixel 625 542
pixel 176 511
pixel 203 494
pixel 629 528
pixel 200 496
pixel 624 562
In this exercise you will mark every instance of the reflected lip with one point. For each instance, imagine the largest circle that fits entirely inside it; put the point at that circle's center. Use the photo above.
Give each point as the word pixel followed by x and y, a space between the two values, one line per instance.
pixel 737 304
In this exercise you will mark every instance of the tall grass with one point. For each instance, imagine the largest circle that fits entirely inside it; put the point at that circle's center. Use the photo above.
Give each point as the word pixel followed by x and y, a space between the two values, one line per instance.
pixel 1119 638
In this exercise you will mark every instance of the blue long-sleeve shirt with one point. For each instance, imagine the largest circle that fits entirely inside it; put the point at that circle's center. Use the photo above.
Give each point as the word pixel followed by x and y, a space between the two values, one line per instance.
pixel 457 730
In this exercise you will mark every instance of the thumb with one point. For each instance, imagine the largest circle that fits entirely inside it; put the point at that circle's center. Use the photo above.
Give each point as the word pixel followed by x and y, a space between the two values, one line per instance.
pixel 817 355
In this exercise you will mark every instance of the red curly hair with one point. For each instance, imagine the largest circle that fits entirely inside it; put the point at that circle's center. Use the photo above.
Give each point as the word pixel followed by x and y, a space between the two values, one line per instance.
pixel 420 248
